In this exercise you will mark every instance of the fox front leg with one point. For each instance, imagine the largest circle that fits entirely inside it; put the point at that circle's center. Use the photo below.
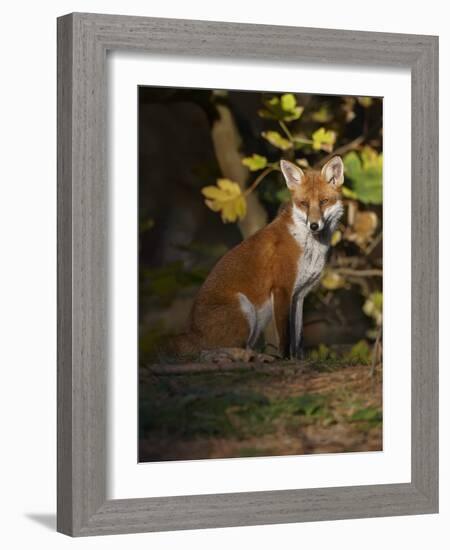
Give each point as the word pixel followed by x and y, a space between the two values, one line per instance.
pixel 281 310
pixel 296 327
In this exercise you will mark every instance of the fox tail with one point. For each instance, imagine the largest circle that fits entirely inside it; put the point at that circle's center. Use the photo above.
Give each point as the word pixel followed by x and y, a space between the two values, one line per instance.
pixel 185 344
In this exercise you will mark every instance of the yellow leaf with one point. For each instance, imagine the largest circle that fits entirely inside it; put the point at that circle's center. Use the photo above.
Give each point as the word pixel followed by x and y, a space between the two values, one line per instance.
pixel 288 102
pixel 365 101
pixel 212 192
pixel 323 139
pixel 241 207
pixel 255 162
pixel 277 140
pixel 373 307
pixel 229 212
pixel 230 187
pixel 227 199
pixel 213 205
pixel 281 108
pixel 332 280
pixel 336 237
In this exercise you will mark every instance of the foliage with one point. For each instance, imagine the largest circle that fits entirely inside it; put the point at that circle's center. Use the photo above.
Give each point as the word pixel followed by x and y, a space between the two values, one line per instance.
pixel 371 415
pixel 292 128
pixel 373 307
pixel 323 139
pixel 365 172
pixel 255 162
pixel 277 140
pixel 332 280
pixel 336 237
pixel 163 283
pixel 360 354
pixel 227 199
pixel 281 108
pixel 322 353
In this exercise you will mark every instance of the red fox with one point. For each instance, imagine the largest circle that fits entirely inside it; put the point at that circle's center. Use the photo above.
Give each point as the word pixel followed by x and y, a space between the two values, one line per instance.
pixel 270 273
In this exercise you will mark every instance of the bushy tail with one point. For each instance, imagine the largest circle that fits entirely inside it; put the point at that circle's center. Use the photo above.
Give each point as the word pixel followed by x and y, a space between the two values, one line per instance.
pixel 185 345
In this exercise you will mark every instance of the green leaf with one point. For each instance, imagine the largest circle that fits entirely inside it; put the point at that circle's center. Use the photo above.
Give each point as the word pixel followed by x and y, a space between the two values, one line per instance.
pixel 352 165
pixel 277 140
pixel 359 354
pixel 348 193
pixel 369 414
pixel 281 108
pixel 365 172
pixel 323 139
pixel 295 114
pixel 309 404
pixel 288 102
pixel 321 354
pixel 255 162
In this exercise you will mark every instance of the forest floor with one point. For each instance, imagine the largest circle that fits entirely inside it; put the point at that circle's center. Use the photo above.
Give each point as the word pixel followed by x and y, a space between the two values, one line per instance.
pixel 281 408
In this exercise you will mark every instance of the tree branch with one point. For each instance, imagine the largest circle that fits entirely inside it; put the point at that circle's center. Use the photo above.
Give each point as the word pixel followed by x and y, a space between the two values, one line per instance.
pixel 359 272
pixel 340 151
pixel 258 180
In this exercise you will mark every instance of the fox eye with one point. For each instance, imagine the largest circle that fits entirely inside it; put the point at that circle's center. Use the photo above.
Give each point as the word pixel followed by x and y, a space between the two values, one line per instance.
pixel 323 201
pixel 304 203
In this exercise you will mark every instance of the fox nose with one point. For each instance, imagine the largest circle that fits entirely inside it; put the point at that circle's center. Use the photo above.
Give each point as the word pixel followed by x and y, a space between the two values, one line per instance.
pixel 314 226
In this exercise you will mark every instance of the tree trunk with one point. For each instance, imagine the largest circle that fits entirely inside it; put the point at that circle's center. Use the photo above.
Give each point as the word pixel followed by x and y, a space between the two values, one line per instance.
pixel 227 143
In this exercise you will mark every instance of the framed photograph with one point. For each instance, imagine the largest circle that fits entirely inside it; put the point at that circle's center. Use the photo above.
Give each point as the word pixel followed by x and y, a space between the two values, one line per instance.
pixel 247 274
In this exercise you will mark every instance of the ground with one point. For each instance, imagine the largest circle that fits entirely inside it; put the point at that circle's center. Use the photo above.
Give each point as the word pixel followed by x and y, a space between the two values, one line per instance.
pixel 205 410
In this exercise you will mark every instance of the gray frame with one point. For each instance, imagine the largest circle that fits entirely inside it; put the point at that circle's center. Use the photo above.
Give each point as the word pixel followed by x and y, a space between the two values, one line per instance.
pixel 83 40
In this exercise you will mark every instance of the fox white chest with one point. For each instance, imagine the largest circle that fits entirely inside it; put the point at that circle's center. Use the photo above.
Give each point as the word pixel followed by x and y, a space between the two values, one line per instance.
pixel 311 262
pixel 310 266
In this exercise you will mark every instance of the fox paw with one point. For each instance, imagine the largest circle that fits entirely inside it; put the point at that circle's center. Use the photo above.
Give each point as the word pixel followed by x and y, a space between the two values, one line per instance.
pixel 230 355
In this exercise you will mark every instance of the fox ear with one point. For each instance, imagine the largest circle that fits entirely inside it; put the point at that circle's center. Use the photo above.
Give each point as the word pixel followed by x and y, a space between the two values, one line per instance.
pixel 333 171
pixel 292 174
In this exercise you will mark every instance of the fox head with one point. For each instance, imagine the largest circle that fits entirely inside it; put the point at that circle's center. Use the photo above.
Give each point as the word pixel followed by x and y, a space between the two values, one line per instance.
pixel 316 196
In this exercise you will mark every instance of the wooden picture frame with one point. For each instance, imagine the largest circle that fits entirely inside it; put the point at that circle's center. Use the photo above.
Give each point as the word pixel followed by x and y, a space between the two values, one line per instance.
pixel 83 40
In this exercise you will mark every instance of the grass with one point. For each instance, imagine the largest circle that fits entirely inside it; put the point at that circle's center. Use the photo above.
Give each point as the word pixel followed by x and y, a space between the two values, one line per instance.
pixel 328 407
